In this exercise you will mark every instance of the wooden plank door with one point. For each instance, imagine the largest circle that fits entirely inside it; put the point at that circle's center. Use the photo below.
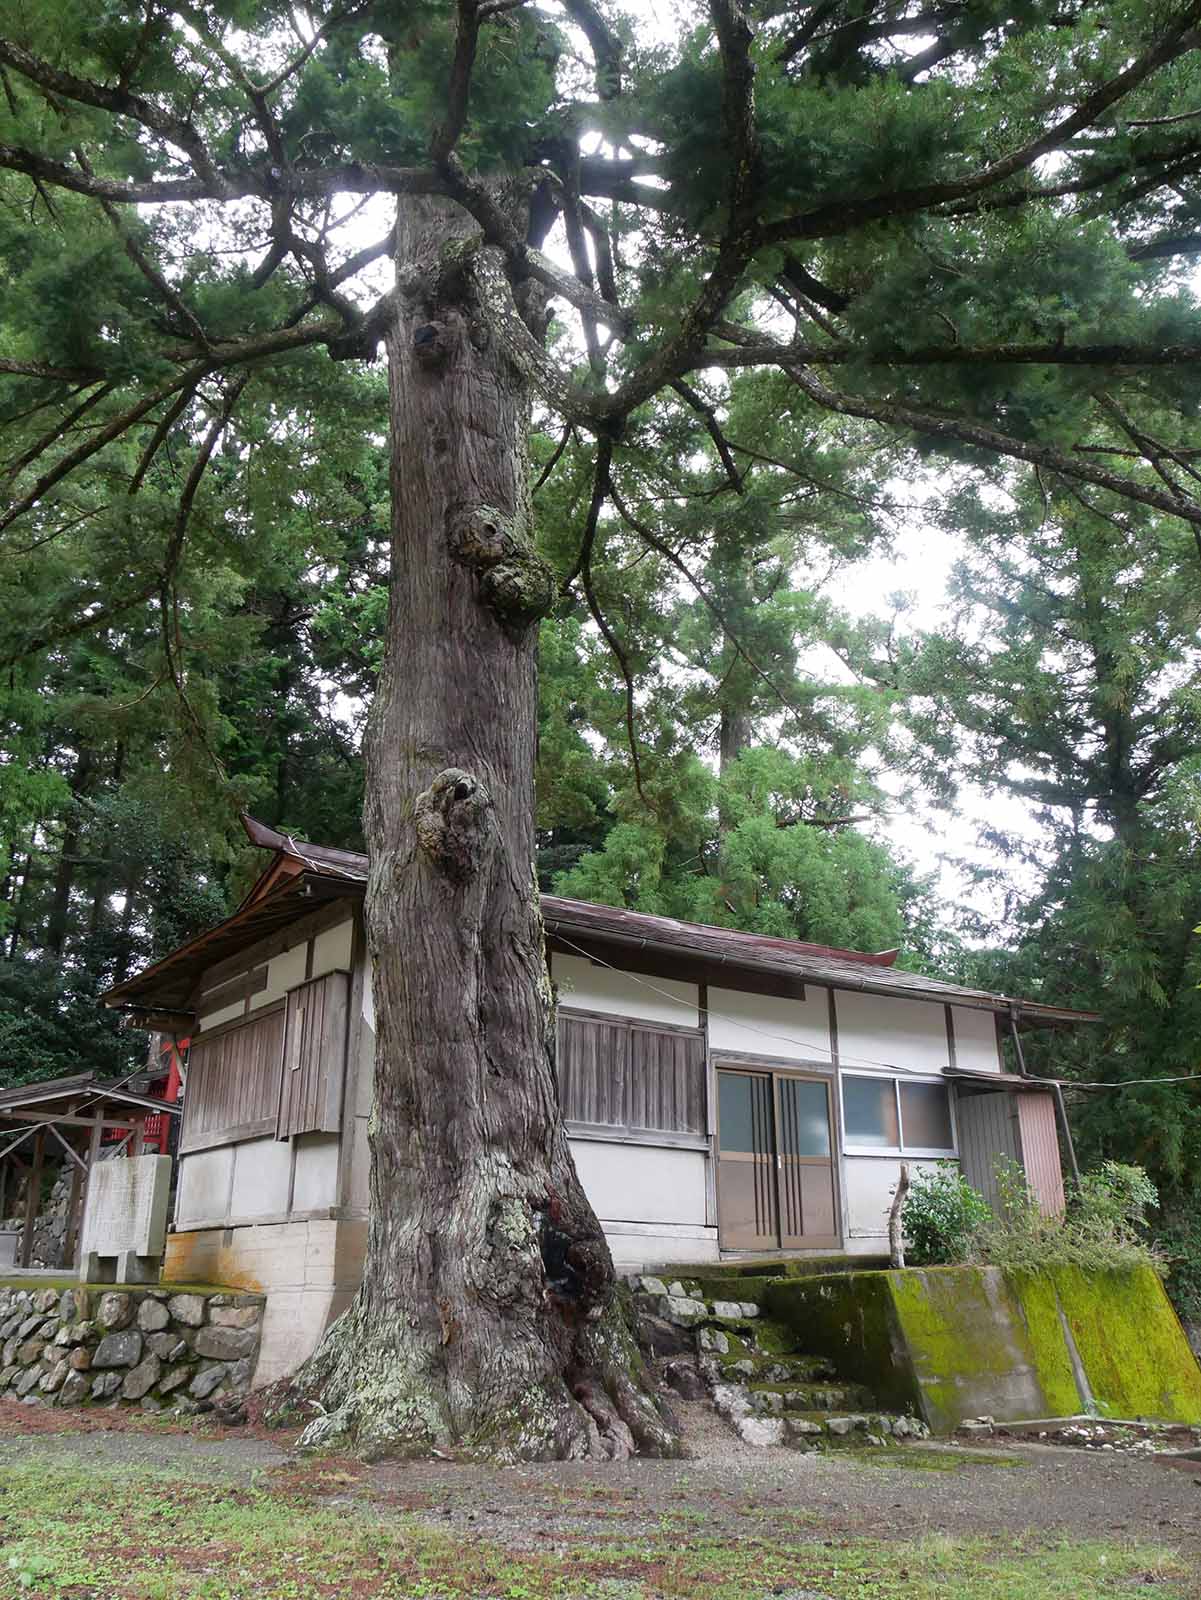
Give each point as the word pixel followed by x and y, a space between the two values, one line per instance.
pixel 805 1166
pixel 746 1161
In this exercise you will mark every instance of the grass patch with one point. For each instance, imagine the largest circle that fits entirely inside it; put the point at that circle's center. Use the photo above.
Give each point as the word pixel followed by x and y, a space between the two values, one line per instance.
pixel 124 1532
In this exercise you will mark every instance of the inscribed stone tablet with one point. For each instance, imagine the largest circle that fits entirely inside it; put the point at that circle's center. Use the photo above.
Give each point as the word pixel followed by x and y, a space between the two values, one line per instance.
pixel 127 1206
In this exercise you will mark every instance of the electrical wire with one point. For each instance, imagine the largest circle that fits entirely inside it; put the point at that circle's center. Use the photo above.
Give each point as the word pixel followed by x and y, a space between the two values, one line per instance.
pixel 839 1057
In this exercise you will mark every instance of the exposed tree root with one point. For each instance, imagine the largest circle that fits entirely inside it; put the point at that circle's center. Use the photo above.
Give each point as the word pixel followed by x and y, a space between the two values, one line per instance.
pixel 400 1401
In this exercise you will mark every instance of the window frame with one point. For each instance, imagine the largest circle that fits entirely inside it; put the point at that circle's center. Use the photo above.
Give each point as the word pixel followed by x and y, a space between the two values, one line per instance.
pixel 634 1133
pixel 902 1150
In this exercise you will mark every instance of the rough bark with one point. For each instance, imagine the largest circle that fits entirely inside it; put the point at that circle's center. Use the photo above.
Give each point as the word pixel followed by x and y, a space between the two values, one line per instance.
pixel 487 1322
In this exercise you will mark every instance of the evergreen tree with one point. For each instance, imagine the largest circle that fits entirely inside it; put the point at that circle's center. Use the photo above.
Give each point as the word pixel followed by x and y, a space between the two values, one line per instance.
pixel 1070 682
pixel 971 246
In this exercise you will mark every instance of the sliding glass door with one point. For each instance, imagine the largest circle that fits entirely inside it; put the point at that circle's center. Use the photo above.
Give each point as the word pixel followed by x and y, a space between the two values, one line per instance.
pixel 775 1164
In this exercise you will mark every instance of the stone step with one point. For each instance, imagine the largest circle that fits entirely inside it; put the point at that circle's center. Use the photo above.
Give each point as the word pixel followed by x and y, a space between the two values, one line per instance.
pixel 800 1266
pixel 755 1367
pixel 850 1427
pixel 687 1312
pixel 777 1398
pixel 712 1288
pixel 823 1430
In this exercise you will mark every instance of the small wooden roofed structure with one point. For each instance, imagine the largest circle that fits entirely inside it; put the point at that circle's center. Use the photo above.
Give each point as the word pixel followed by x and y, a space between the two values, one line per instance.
pixel 305 878
pixel 71 1117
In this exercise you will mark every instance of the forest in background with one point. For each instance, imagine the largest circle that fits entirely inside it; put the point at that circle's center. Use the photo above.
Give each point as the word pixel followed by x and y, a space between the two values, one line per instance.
pixel 727 754
pixel 192 623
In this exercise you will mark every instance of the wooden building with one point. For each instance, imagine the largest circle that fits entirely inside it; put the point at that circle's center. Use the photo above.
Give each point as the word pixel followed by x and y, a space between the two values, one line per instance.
pixel 723 1092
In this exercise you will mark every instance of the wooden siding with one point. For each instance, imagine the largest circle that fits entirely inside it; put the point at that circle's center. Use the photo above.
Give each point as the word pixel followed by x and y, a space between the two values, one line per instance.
pixel 619 1074
pixel 314 1056
pixel 988 1128
pixel 1040 1151
pixel 233 1082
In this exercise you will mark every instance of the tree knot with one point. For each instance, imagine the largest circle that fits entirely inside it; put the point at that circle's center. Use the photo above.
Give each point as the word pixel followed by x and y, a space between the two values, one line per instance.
pixel 431 344
pixel 514 581
pixel 453 819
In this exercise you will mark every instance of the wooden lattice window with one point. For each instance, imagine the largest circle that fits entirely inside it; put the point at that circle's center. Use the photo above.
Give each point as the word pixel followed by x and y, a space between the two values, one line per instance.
pixel 314 1056
pixel 232 1088
pixel 631 1076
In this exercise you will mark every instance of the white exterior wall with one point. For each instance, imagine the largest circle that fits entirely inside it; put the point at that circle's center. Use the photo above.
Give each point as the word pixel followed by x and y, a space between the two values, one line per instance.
pixel 205 1180
pixel 284 972
pixel 584 986
pixel 261 1179
pixel 332 949
pixel 976 1045
pixel 763 1025
pixel 641 1182
pixel 315 1179
pixel 331 952
pixel 881 1031
pixel 649 1200
pixel 357 1156
pixel 213 1019
pixel 869 1183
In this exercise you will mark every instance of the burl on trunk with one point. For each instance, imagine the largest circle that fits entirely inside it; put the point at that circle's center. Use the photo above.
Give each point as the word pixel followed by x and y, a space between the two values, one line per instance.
pixel 487 1319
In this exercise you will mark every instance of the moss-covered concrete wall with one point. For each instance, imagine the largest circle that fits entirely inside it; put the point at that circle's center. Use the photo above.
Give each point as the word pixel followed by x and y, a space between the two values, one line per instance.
pixel 958 1342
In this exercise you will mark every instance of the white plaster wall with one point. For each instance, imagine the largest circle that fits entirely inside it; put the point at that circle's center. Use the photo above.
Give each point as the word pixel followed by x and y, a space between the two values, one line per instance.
pixel 332 949
pixel 869 1183
pixel 641 1183
pixel 210 1019
pixel 976 1039
pixel 876 1028
pixel 261 1171
pixel 585 987
pixel 204 1180
pixel 764 1025
pixel 315 1185
pixel 637 1247
pixel 284 972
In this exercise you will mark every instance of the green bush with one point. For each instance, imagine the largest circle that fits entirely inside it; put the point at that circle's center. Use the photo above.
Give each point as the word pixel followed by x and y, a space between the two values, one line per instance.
pixel 1104 1225
pixel 1179 1240
pixel 940 1215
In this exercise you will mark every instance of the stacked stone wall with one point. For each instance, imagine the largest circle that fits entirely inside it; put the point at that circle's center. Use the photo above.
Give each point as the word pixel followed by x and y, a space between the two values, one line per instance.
pixel 50 1225
pixel 162 1349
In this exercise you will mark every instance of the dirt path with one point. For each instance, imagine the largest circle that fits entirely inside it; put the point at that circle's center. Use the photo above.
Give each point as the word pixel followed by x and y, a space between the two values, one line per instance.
pixel 728 1488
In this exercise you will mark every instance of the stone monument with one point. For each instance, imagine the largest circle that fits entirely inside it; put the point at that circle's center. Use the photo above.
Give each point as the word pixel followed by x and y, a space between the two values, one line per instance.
pixel 125 1220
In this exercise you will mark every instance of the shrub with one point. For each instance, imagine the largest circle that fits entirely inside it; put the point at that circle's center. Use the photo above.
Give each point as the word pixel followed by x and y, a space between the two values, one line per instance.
pixel 940 1214
pixel 1179 1240
pixel 1103 1226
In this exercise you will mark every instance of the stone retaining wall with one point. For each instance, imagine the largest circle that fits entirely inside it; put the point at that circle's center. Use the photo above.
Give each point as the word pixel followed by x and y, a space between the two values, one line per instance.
pixel 184 1350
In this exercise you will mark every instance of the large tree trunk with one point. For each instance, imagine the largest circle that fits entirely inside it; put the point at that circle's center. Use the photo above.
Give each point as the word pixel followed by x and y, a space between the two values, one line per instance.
pixel 487 1320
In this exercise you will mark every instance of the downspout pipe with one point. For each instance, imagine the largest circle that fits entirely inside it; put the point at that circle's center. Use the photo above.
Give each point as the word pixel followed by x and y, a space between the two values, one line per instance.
pixel 1061 1110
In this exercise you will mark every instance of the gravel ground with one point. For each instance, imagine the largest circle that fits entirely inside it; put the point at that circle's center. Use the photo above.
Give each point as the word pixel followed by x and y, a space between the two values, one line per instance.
pixel 727 1488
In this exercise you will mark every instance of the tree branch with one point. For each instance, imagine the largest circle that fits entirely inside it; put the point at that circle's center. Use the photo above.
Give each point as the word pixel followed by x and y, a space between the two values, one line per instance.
pixel 987 439
pixel 839 217
pixel 39 369
pixel 177 131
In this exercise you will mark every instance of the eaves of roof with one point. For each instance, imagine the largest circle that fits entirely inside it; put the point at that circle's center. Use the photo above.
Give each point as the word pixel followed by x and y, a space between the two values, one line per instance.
pixel 318 872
